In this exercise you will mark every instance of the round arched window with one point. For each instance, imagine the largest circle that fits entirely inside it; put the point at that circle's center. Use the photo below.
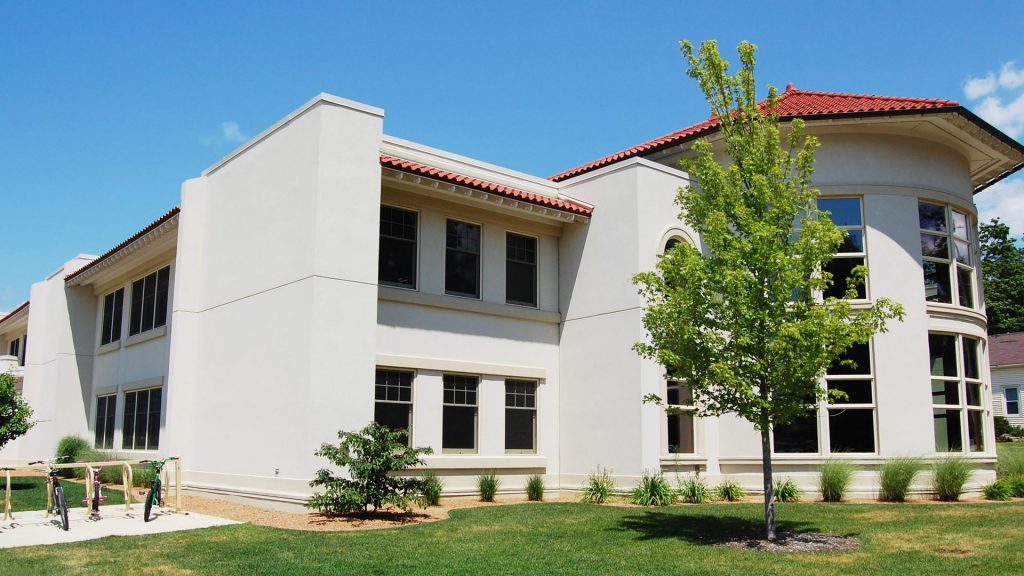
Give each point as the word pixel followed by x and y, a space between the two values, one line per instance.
pixel 672 242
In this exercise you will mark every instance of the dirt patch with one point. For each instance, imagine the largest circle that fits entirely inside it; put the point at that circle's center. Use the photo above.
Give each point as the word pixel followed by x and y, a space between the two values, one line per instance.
pixel 806 542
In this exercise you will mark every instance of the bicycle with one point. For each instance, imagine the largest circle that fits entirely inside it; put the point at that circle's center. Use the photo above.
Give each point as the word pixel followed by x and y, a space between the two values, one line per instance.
pixel 155 495
pixel 59 502
pixel 97 493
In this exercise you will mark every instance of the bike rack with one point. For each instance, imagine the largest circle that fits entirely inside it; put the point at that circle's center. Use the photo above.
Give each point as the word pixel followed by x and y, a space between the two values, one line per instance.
pixel 126 480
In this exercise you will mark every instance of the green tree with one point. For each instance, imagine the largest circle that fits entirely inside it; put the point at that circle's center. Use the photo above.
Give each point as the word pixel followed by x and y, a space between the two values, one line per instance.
pixel 373 456
pixel 744 323
pixel 15 413
pixel 1002 268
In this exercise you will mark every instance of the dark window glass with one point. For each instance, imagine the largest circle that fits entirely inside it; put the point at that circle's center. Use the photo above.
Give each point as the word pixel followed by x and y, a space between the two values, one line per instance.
pixel 393 395
pixel 932 217
pixel 844 211
pixel 462 259
pixel 841 269
pixel 680 426
pixel 153 419
pixel 942 350
pixel 520 269
pixel 963 251
pixel 945 392
pixel 973 394
pixel 135 314
pixel 859 354
pixel 975 431
pixel 113 305
pixel 937 286
pixel 163 278
pixel 13 349
pixel 934 246
pixel 458 419
pixel 394 415
pixel 851 430
pixel 854 242
pixel 105 410
pixel 965 287
pixel 142 419
pixel 857 391
pixel 149 302
pixel 797 437
pixel 24 350
pixel 672 242
pixel 947 431
pixel 128 421
pixel 1012 396
pixel 970 348
pixel 520 415
pixel 397 255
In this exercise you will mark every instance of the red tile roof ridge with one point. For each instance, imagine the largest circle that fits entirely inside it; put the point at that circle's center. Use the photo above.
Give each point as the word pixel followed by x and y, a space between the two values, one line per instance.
pixel 123 244
pixel 415 167
pixel 937 102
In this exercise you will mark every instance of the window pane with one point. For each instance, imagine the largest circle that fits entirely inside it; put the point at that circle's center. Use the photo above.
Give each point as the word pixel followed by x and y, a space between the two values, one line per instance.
pixel 519 427
pixel 1012 397
pixel 128 432
pixel 942 350
pixel 115 333
pixel 859 354
pixel 945 392
pixel 679 394
pixel 461 273
pixel 965 287
pixel 973 394
pixel 463 236
pixel 101 423
pixel 960 225
pixel 936 282
pixel 458 428
pixel 844 211
pixel 975 431
pixel 851 430
pixel 141 414
pixel 108 318
pixel 394 416
pixel 934 246
pixel 148 301
pixel 947 431
pixel 963 251
pixel 680 434
pixel 799 437
pixel 153 429
pixel 163 278
pixel 520 283
pixel 857 391
pixel 854 242
pixel 672 242
pixel 841 269
pixel 932 217
pixel 970 347
pixel 135 317
pixel 397 252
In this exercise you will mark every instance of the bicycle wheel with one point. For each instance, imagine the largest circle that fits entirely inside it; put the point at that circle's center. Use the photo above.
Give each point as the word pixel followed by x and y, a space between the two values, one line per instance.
pixel 61 505
pixel 149 505
pixel 96 496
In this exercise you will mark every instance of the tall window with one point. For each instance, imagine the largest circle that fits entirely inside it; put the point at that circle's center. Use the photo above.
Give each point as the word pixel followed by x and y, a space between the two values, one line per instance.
pixel 800 436
pixel 393 405
pixel 520 416
pixel 113 304
pixel 149 302
pixel 679 400
pixel 105 410
pixel 956 393
pixel 520 269
pixel 947 257
pixel 14 348
pixel 846 214
pixel 462 259
pixel 1012 398
pixel 397 261
pixel 141 428
pixel 459 416
pixel 851 420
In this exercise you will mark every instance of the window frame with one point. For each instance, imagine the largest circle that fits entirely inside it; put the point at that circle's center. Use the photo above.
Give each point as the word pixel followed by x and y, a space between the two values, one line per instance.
pixel 476 413
pixel 536 268
pixel 410 403
pixel 116 318
pixel 951 261
pixel 961 407
pixel 536 387
pixel 416 249
pixel 829 405
pixel 862 255
pixel 1006 402
pixel 479 260
pixel 108 418
pixel 124 419
pixel 156 298
pixel 690 409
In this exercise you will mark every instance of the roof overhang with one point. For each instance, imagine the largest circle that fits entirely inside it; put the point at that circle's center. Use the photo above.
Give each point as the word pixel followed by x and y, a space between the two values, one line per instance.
pixel 131 255
pixel 15 318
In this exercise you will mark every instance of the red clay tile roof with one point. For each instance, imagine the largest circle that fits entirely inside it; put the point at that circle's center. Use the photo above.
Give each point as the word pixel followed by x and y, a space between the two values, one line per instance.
pixel 1006 349
pixel 793 103
pixel 20 307
pixel 485 186
pixel 152 225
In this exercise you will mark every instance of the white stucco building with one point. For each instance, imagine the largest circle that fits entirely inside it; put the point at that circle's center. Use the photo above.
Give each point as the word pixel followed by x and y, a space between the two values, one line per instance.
pixel 325 274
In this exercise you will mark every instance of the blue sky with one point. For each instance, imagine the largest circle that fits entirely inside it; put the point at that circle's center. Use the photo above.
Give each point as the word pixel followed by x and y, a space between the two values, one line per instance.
pixel 107 107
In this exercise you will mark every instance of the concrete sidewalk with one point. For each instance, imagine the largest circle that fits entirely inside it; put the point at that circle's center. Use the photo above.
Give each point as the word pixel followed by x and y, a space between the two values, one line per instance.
pixel 32 529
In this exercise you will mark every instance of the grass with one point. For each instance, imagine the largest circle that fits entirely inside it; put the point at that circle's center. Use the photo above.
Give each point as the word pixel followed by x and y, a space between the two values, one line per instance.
pixel 570 538
pixel 1011 458
pixel 29 493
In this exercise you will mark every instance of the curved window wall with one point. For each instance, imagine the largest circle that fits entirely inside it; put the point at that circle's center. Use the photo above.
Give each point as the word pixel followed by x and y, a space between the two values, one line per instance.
pixel 947 254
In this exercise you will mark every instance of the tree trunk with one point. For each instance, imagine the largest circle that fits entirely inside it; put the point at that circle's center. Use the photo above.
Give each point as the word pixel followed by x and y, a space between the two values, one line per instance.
pixel 766 466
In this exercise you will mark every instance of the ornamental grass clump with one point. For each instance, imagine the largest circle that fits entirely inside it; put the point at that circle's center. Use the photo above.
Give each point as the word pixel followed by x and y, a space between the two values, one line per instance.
pixel 999 490
pixel 693 490
pixel 949 476
pixel 835 479
pixel 653 490
pixel 895 477
pixel 599 487
pixel 488 484
pixel 430 495
pixel 786 490
pixel 730 491
pixel 71 449
pixel 1011 464
pixel 1016 484
pixel 535 488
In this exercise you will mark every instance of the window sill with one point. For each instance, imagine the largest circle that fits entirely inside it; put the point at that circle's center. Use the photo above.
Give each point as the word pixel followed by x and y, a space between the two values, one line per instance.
pixel 108 347
pixel 683 459
pixel 475 461
pixel 941 310
pixel 146 336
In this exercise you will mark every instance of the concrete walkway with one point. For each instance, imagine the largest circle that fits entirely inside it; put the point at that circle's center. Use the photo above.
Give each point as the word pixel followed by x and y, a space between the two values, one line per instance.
pixel 32 529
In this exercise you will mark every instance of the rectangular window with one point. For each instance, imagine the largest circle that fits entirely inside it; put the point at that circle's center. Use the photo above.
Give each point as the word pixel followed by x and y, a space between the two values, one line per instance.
pixel 397 255
pixel 946 253
pixel 149 302
pixel 846 214
pixel 113 305
pixel 1012 398
pixel 520 416
pixel 957 393
pixel 14 347
pixel 851 402
pixel 393 400
pixel 105 410
pixel 680 418
pixel 459 416
pixel 520 269
pixel 462 259
pixel 141 423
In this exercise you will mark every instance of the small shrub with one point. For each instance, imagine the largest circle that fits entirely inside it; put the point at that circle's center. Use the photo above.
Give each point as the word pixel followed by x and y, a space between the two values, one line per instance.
pixel 1011 464
pixel 599 487
pixel 653 490
pixel 835 478
pixel 786 490
pixel 693 490
pixel 1016 484
pixel 488 484
pixel 895 477
pixel 430 494
pixel 949 476
pixel 1004 429
pixel 998 490
pixel 730 491
pixel 535 488
pixel 71 449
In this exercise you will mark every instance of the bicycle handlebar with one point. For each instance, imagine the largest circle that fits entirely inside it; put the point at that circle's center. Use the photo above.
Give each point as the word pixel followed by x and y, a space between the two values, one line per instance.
pixel 48 460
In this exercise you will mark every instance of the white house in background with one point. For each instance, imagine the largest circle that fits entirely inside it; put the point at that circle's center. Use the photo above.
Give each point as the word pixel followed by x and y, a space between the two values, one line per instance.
pixel 325 274
pixel 1006 357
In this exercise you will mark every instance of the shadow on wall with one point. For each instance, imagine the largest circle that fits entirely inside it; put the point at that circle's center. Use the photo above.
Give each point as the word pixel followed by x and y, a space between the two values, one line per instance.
pixel 715 527
pixel 82 315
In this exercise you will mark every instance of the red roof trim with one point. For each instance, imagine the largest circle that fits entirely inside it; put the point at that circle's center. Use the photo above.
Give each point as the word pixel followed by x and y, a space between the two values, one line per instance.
pixel 21 307
pixel 485 186
pixel 152 226
pixel 793 103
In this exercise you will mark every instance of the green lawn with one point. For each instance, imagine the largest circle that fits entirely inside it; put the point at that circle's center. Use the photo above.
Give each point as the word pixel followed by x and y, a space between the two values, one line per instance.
pixel 29 493
pixel 568 538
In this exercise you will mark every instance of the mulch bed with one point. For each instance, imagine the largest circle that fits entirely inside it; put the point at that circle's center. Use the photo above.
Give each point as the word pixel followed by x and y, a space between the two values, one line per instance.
pixel 805 542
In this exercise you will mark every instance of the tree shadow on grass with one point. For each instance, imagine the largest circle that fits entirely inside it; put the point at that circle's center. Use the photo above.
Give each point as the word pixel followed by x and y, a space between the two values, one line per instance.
pixel 704 529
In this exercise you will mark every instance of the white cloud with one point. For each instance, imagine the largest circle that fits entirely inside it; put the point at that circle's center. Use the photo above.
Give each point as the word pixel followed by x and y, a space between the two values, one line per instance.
pixel 1008 117
pixel 229 133
pixel 1010 76
pixel 978 87
pixel 1005 200
pixel 1002 100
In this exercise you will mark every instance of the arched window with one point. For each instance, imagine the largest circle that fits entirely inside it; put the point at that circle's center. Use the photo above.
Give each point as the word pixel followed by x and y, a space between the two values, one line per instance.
pixel 672 242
